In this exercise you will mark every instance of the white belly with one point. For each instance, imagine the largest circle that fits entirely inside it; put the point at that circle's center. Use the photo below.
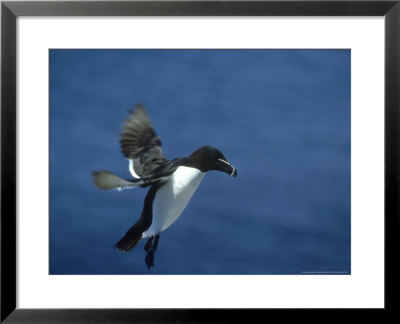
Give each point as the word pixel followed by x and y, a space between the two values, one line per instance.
pixel 172 198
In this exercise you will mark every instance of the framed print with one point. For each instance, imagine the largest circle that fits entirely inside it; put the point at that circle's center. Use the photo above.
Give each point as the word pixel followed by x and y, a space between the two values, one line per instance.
pixel 295 133
pixel 214 73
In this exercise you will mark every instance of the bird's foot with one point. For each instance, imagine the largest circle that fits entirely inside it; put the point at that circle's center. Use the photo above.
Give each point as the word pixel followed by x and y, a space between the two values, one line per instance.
pixel 150 249
pixel 149 244
pixel 150 259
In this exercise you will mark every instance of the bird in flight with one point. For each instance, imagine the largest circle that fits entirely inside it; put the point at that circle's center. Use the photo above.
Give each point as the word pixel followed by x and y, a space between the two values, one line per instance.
pixel 171 183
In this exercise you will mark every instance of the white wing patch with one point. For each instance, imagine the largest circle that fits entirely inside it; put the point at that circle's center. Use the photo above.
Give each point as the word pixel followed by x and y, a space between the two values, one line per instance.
pixel 132 170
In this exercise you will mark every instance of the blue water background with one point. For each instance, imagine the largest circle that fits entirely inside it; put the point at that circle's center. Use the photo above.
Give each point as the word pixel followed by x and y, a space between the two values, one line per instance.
pixel 282 117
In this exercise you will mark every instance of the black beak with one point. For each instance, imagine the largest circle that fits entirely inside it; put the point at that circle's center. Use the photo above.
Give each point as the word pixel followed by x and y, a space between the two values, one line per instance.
pixel 228 168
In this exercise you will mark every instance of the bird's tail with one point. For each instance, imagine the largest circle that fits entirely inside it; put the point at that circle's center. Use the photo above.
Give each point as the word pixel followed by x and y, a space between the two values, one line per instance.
pixel 109 181
pixel 131 237
pixel 127 243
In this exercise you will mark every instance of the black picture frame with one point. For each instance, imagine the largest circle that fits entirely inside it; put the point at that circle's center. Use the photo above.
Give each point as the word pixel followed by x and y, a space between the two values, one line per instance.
pixel 10 10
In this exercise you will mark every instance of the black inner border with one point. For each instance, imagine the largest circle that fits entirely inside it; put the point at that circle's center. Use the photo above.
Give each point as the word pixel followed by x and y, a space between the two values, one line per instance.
pixel 10 10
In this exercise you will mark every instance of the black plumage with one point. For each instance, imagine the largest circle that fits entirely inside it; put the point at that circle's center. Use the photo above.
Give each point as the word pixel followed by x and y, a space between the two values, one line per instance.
pixel 140 143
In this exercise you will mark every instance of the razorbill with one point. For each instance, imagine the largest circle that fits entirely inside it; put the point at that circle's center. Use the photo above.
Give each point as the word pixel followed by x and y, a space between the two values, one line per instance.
pixel 172 182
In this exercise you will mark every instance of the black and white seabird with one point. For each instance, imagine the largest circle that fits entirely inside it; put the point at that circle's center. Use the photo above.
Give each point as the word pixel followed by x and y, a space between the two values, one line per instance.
pixel 172 182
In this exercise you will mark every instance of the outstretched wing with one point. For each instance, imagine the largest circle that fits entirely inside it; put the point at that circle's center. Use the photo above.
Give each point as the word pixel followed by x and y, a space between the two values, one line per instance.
pixel 107 180
pixel 134 234
pixel 140 144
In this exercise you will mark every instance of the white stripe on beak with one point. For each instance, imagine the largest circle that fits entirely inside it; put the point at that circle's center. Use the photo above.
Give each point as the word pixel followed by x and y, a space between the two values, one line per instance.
pixel 224 161
pixel 233 168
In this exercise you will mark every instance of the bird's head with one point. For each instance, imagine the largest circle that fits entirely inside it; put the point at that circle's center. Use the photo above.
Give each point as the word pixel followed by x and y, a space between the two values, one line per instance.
pixel 209 158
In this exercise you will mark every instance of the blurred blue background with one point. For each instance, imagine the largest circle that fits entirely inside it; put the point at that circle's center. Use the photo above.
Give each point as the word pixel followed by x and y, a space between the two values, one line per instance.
pixel 282 117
